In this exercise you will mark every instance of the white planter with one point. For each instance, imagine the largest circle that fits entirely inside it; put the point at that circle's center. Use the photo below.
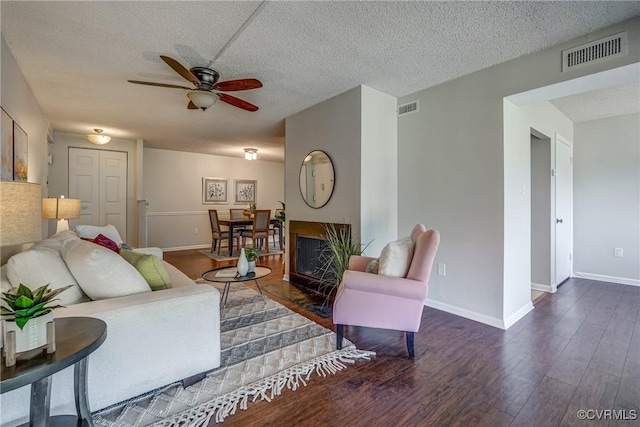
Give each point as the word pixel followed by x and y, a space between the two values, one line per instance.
pixel 252 267
pixel 33 335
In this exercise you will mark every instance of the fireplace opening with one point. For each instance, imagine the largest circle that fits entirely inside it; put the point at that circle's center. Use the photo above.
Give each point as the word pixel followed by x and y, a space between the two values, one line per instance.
pixel 308 258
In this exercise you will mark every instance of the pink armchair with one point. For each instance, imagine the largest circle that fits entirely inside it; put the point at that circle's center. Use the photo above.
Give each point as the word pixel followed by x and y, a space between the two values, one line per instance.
pixel 366 299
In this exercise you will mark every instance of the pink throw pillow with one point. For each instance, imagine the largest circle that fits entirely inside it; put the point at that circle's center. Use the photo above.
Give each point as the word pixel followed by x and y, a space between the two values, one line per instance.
pixel 106 242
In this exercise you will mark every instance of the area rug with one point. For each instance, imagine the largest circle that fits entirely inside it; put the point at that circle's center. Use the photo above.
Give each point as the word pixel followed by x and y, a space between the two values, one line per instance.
pixel 224 253
pixel 265 349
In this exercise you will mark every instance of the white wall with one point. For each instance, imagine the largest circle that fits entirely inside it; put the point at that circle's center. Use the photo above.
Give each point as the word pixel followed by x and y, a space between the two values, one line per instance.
pixel 607 198
pixel 357 129
pixel 459 174
pixel 18 101
pixel 518 121
pixel 59 174
pixel 173 187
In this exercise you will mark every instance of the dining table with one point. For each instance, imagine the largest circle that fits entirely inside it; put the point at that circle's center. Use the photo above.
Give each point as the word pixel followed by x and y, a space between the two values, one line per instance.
pixel 240 223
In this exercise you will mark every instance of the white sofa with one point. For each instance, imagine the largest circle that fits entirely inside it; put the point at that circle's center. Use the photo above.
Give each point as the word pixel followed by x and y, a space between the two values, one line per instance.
pixel 154 338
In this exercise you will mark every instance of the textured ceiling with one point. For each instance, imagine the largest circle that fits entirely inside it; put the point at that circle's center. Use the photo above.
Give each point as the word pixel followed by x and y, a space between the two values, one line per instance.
pixel 602 103
pixel 78 56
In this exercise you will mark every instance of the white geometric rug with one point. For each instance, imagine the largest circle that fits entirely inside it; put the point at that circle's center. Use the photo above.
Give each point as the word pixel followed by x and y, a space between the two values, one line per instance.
pixel 265 348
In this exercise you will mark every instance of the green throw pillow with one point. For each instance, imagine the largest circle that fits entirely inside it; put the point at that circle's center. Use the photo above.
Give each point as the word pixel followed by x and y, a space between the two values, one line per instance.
pixel 150 267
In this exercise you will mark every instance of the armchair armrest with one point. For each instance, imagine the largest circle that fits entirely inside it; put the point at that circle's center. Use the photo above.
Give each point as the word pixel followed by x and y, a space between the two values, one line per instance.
pixel 393 286
pixel 359 262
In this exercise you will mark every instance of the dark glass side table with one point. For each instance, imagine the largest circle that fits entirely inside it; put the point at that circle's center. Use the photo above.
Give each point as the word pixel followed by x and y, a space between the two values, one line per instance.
pixel 76 338
pixel 227 276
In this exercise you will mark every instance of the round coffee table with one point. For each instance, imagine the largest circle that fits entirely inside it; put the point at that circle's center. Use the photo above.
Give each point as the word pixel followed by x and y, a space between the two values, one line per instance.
pixel 227 275
pixel 76 338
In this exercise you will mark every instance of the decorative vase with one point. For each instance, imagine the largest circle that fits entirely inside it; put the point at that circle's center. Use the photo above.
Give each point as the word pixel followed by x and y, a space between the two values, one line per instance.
pixel 252 266
pixel 32 335
pixel 243 264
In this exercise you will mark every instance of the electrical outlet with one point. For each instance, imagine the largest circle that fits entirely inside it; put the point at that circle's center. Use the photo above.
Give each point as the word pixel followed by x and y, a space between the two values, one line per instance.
pixel 442 269
pixel 617 252
pixel 196 231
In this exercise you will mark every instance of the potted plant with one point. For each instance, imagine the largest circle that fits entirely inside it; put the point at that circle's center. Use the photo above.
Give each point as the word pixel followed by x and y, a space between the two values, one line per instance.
pixel 252 256
pixel 340 245
pixel 27 313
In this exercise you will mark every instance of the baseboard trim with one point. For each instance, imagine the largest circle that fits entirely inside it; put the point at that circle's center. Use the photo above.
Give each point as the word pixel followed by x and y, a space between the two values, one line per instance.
pixel 184 248
pixel 467 314
pixel 604 278
pixel 542 288
pixel 511 320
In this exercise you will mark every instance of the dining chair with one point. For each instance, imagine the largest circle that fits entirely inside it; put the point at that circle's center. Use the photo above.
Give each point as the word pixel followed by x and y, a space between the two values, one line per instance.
pixel 236 213
pixel 276 227
pixel 217 235
pixel 261 230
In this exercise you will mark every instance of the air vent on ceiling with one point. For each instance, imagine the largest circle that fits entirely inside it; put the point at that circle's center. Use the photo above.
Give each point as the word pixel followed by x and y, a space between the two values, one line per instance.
pixel 596 51
pixel 411 107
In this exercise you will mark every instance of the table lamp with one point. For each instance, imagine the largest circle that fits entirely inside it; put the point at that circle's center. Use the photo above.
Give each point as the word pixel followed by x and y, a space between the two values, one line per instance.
pixel 61 209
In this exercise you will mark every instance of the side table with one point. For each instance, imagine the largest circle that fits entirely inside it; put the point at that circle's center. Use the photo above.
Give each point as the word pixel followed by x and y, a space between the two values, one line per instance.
pixel 76 338
pixel 227 275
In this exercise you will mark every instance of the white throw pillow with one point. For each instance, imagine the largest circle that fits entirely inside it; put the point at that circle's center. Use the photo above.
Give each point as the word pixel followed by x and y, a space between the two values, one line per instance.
pixel 100 272
pixel 92 231
pixel 395 258
pixel 40 266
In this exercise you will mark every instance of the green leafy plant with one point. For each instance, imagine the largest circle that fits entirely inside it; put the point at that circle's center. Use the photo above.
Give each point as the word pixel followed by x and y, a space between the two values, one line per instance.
pixel 251 254
pixel 280 216
pixel 340 246
pixel 252 208
pixel 24 304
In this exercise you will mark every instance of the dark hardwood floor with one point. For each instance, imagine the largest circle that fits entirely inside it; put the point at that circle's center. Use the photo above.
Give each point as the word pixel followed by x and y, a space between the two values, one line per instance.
pixel 579 349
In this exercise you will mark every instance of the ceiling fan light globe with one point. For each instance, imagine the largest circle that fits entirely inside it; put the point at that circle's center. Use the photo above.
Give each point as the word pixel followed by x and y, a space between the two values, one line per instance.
pixel 202 99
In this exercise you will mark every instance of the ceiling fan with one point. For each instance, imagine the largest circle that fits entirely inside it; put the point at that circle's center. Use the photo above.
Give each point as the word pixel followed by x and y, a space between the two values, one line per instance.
pixel 207 88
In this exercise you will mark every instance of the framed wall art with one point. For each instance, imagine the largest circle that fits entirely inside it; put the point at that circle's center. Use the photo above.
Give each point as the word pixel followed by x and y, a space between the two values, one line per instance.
pixel 20 154
pixel 245 191
pixel 215 191
pixel 6 147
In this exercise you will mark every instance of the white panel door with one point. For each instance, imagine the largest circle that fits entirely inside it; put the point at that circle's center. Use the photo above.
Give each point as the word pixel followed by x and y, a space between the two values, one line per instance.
pixel 113 183
pixel 84 184
pixel 99 179
pixel 563 210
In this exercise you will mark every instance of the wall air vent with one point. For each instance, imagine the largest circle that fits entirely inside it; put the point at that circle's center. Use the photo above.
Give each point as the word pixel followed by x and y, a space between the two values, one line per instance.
pixel 596 51
pixel 411 107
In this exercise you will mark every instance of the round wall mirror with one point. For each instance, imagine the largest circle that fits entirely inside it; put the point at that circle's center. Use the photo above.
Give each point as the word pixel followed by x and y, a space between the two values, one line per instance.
pixel 316 179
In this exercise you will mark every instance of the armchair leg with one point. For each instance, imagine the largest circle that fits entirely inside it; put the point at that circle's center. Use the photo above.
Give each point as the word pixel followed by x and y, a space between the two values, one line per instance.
pixel 410 336
pixel 339 335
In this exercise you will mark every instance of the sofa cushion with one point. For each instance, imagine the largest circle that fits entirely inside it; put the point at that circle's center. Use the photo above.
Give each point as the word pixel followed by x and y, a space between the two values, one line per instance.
pixel 150 267
pixel 395 258
pixel 100 272
pixel 40 266
pixel 373 266
pixel 92 231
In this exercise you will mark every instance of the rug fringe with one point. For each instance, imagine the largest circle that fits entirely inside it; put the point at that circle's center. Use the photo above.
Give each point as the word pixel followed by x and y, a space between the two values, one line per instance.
pixel 266 388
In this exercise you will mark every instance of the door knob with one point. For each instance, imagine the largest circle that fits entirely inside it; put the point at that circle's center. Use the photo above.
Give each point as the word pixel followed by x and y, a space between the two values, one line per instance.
pixel 558 220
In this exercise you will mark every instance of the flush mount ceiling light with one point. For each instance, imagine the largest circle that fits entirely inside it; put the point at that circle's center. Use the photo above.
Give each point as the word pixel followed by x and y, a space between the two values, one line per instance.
pixel 202 99
pixel 98 138
pixel 251 153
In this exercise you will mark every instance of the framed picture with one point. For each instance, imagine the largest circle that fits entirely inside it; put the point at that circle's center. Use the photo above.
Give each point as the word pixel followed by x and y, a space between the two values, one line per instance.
pixel 215 191
pixel 245 191
pixel 6 147
pixel 20 154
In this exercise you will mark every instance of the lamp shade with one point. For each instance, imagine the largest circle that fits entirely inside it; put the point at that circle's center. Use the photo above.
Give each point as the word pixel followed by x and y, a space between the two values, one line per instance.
pixel 60 208
pixel 20 214
pixel 98 138
pixel 202 99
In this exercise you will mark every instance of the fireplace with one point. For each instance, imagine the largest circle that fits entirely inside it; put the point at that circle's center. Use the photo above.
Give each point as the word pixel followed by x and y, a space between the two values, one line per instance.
pixel 307 260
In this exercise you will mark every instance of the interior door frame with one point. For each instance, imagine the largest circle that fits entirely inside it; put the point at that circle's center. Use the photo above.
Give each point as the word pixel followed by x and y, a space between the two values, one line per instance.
pixel 559 139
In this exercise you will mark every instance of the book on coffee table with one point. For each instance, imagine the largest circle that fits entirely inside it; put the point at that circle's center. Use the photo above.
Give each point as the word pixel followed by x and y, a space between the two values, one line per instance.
pixel 227 273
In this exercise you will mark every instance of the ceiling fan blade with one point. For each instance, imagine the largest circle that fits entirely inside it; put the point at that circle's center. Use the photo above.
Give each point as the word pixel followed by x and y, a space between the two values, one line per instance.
pixel 192 106
pixel 180 69
pixel 138 82
pixel 240 84
pixel 237 102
